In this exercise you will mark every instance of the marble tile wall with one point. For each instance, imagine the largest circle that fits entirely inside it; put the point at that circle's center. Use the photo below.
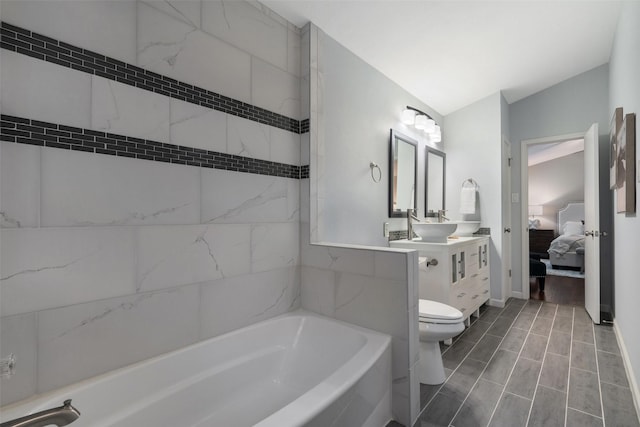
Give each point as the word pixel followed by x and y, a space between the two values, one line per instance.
pixel 108 260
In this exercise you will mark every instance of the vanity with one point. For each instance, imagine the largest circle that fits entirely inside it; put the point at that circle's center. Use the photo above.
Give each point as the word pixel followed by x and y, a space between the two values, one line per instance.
pixel 460 277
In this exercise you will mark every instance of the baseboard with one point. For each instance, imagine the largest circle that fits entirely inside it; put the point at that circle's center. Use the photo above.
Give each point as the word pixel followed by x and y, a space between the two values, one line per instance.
pixel 496 303
pixel 635 391
pixel 518 295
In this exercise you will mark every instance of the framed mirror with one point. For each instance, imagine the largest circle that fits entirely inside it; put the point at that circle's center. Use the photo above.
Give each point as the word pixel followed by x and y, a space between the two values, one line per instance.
pixel 435 164
pixel 403 176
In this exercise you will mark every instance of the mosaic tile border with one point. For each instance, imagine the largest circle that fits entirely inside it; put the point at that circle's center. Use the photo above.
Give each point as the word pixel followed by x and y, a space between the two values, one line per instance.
pixel 34 132
pixel 38 46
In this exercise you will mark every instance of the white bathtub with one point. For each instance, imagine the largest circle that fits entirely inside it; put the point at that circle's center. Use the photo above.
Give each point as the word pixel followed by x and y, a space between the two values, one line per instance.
pixel 292 370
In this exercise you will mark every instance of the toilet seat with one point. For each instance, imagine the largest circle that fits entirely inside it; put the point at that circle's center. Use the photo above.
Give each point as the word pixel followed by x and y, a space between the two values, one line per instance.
pixel 437 312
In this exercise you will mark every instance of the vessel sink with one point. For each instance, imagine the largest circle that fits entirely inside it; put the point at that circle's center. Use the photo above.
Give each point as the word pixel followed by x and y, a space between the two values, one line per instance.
pixel 434 232
pixel 466 228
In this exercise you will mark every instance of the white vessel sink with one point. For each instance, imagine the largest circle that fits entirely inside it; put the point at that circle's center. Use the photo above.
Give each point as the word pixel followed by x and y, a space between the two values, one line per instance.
pixel 434 232
pixel 466 228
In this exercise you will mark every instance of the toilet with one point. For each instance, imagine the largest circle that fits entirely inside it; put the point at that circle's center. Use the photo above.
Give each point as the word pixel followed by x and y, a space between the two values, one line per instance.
pixel 438 322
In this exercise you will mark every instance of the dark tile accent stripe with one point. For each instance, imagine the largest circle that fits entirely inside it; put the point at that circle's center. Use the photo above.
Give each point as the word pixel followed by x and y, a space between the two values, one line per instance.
pixel 25 131
pixel 397 235
pixel 304 126
pixel 47 49
pixel 304 172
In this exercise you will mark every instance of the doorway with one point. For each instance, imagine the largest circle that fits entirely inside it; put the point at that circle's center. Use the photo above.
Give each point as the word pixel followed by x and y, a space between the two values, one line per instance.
pixel 552 179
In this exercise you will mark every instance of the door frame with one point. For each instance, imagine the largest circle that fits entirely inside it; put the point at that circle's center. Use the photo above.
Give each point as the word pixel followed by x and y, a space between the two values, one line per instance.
pixel 524 199
pixel 507 216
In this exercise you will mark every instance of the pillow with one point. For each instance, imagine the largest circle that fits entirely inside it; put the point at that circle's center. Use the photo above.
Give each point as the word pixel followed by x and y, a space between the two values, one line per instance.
pixel 573 228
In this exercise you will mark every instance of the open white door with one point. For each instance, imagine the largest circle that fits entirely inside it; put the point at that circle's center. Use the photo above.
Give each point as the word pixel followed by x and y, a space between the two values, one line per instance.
pixel 592 224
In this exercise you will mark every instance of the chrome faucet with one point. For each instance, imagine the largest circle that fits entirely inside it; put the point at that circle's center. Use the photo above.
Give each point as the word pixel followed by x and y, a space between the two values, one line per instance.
pixel 410 216
pixel 61 416
pixel 441 217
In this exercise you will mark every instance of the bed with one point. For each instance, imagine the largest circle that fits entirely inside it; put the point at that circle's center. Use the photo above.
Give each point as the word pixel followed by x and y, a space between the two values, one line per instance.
pixel 567 250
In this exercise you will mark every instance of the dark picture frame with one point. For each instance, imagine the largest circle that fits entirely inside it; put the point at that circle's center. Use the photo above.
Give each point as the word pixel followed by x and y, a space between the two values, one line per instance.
pixel 625 165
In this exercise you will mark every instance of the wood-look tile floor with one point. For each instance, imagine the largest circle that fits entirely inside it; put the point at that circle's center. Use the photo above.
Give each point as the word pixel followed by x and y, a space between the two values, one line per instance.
pixel 559 290
pixel 532 363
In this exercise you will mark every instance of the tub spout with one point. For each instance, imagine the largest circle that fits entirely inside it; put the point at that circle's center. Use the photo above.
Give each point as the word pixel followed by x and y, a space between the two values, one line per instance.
pixel 61 416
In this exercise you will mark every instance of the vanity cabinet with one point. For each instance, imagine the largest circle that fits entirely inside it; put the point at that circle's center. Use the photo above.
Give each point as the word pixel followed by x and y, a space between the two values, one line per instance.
pixel 461 277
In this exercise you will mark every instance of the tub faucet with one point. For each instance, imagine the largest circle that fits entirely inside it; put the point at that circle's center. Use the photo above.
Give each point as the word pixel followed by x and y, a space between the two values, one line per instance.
pixel 441 217
pixel 61 416
pixel 410 217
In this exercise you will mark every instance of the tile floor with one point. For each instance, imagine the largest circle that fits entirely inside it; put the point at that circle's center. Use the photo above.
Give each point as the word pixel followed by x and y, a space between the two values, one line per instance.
pixel 531 364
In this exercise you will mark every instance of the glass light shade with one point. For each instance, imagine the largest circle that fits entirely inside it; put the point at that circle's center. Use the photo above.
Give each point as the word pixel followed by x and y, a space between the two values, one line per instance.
pixel 408 116
pixel 421 121
pixel 535 210
pixel 436 136
pixel 430 126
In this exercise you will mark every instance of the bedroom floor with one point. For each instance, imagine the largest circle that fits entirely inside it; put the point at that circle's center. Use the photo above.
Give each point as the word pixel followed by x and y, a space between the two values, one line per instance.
pixel 531 363
pixel 559 290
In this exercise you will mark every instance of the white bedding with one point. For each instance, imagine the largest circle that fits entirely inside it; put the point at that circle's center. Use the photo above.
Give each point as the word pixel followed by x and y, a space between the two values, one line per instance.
pixel 566 243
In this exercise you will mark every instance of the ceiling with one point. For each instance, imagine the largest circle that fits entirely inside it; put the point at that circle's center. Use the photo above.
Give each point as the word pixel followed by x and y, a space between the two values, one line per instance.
pixel 541 153
pixel 451 53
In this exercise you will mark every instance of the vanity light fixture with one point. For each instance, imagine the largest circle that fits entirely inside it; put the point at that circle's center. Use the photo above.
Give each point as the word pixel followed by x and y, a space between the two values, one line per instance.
pixel 422 121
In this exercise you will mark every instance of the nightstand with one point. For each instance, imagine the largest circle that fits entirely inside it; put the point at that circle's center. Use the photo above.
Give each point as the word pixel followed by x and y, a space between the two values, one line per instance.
pixel 539 241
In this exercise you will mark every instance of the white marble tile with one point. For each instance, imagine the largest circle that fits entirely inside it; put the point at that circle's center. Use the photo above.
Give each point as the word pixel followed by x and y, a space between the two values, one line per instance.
pixel 199 127
pixel 125 110
pixel 304 205
pixel 235 197
pixel 414 334
pixel 103 26
pixel 274 245
pixel 390 265
pixel 248 28
pixel 401 400
pixel 294 45
pixel 248 138
pixel 173 48
pixel 180 255
pixel 19 185
pixel 304 97
pixel 414 399
pixel 400 364
pixel 274 89
pixel 84 340
pixel 44 91
pixel 187 11
pixel 304 149
pixel 371 302
pixel 357 261
pixel 232 303
pixel 293 199
pixel 285 146
pixel 52 267
pixel 18 337
pixel 318 290
pixel 81 189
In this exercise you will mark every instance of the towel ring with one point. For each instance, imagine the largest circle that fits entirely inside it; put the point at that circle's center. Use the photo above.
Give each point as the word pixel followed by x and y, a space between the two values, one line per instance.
pixel 470 181
pixel 373 166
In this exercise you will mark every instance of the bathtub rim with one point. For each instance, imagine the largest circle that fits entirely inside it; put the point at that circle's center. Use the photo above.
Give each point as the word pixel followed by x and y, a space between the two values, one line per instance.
pixel 353 369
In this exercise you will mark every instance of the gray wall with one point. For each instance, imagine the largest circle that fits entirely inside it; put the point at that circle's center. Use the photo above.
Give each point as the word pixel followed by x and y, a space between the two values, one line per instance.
pixel 568 107
pixel 555 183
pixel 625 92
pixel 474 151
pixel 361 105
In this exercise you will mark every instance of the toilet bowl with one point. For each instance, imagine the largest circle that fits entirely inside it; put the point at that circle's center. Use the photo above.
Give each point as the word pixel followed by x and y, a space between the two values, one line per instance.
pixel 438 322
